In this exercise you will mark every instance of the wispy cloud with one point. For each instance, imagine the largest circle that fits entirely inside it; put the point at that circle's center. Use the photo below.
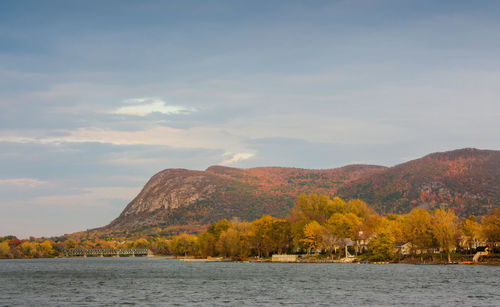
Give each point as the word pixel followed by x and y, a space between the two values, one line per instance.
pixel 148 105
pixel 198 137
pixel 23 182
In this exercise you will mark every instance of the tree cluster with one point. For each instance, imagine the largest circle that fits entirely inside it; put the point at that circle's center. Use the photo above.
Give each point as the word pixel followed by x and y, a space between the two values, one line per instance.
pixel 320 224
pixel 316 224
pixel 12 247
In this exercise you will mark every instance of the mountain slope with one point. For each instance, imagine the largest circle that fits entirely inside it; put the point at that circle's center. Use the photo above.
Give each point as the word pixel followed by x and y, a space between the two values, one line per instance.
pixel 180 197
pixel 466 179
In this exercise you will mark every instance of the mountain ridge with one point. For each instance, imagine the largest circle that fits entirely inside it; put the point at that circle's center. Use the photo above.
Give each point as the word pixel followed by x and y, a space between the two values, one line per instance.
pixel 466 179
pixel 242 193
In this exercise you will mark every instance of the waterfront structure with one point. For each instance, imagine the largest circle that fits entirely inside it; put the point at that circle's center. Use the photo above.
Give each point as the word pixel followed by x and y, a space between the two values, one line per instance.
pixel 106 252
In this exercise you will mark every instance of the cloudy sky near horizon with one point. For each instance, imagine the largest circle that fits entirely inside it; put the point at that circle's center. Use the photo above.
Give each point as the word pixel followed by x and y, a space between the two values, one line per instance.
pixel 97 96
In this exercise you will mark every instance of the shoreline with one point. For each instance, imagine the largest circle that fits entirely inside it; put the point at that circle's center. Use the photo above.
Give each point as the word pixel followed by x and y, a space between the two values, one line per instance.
pixel 494 261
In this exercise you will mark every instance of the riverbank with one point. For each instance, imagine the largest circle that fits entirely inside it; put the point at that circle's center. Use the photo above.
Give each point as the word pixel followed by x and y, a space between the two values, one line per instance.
pixel 463 259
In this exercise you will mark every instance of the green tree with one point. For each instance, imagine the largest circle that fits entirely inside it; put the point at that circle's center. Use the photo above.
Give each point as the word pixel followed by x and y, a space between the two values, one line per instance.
pixel 382 247
pixel 281 235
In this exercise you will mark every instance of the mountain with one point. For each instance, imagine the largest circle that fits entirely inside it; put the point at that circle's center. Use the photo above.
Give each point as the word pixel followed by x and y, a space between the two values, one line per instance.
pixel 180 197
pixel 468 180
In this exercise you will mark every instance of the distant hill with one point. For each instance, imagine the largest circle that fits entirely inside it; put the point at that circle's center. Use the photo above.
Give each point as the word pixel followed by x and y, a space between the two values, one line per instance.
pixel 180 197
pixel 467 180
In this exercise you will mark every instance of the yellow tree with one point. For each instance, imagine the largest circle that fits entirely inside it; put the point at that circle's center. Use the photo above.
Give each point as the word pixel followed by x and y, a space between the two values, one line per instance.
pixel 207 244
pixel 297 221
pixel 218 228
pixel 338 205
pixel 70 243
pixel 313 235
pixel 159 246
pixel 227 243
pixel 490 226
pixel 184 244
pixel 262 235
pixel 444 228
pixel 418 230
pixel 393 223
pixel 141 243
pixel 314 206
pixel 234 243
pixel 29 249
pixel 46 249
pixel 344 227
pixel 470 230
pixel 359 208
pixel 5 250
pixel 245 241
pixel 369 221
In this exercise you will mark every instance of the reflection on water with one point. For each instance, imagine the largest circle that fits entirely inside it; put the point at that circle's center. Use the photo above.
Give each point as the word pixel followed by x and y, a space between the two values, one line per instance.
pixel 158 281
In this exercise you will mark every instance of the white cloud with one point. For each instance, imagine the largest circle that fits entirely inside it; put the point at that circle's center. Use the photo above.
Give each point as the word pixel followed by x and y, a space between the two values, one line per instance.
pixel 237 157
pixel 148 105
pixel 22 182
pixel 200 137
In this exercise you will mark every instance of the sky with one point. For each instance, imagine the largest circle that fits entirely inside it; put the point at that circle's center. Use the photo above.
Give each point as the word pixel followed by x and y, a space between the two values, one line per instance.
pixel 97 96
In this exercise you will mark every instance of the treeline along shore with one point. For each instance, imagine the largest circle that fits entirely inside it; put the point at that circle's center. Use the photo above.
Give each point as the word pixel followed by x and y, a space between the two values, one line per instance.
pixel 318 228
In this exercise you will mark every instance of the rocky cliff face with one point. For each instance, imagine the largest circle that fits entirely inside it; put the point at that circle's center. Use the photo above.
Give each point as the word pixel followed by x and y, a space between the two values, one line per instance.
pixel 178 196
pixel 170 190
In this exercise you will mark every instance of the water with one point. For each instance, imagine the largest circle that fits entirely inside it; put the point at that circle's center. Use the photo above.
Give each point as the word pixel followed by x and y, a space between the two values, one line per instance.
pixel 158 281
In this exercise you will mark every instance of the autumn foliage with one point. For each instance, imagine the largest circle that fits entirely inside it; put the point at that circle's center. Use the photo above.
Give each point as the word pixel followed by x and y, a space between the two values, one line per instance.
pixel 317 224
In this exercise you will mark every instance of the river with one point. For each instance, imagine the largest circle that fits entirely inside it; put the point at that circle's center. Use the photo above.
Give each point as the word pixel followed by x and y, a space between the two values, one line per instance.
pixel 160 281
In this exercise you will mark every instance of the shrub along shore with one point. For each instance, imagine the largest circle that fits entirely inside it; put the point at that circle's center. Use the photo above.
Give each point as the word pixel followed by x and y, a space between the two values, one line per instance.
pixel 319 229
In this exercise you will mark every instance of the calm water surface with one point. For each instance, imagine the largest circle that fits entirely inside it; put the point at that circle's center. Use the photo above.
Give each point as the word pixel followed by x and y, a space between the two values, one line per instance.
pixel 158 281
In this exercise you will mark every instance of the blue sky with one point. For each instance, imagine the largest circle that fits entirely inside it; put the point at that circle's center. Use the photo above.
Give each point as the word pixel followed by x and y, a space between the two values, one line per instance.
pixel 97 96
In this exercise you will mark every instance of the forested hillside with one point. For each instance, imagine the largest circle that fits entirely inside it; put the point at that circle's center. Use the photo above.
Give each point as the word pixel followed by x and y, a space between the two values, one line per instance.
pixel 466 180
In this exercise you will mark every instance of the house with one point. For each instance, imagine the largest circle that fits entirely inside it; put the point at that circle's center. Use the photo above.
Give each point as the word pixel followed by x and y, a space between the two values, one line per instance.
pixel 403 248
